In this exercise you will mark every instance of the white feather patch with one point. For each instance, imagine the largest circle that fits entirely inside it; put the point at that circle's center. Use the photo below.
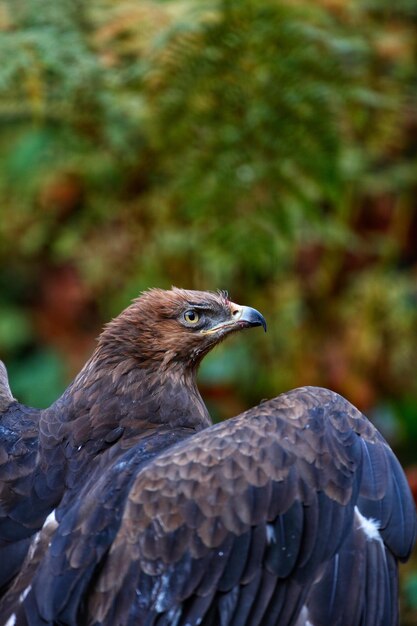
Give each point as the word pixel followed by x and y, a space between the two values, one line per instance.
pixel 303 618
pixel 369 526
pixel 24 593
pixel 50 520
pixel 270 534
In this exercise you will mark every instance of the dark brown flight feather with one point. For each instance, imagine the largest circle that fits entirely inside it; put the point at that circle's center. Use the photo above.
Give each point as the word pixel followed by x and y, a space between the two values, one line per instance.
pixel 293 513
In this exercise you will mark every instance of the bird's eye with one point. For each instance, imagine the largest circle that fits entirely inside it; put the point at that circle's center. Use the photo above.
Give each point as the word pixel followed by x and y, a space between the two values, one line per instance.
pixel 191 316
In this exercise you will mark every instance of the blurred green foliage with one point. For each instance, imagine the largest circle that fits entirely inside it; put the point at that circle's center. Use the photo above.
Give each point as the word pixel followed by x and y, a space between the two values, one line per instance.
pixel 263 146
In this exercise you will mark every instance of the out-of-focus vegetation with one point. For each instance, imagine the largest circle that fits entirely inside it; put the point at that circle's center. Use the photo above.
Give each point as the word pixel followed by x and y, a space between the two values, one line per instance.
pixel 263 146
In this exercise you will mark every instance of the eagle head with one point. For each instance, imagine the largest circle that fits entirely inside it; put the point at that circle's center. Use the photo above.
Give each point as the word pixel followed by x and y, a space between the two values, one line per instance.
pixel 162 328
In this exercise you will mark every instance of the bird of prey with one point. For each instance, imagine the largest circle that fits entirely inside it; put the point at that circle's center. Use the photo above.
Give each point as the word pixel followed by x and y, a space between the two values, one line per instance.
pixel 123 505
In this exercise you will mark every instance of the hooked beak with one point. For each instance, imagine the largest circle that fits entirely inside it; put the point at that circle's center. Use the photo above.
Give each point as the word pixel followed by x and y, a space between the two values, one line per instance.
pixel 249 317
pixel 241 317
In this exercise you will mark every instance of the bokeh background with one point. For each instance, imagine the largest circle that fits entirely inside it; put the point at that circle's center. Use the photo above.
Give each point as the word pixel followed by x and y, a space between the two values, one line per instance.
pixel 267 147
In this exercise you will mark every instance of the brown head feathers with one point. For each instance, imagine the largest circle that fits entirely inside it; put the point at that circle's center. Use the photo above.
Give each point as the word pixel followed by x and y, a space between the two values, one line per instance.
pixel 162 327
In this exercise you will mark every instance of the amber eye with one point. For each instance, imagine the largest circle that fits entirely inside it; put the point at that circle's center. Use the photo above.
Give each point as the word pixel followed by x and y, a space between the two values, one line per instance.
pixel 191 316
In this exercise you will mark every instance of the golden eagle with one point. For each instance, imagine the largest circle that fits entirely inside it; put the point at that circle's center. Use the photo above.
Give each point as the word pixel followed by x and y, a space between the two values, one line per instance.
pixel 122 505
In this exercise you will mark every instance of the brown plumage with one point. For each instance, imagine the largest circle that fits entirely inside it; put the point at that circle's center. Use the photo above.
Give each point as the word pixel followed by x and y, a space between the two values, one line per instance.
pixel 292 513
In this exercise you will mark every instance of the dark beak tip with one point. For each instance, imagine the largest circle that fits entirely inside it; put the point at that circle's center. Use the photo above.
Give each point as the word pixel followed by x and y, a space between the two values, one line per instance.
pixel 253 318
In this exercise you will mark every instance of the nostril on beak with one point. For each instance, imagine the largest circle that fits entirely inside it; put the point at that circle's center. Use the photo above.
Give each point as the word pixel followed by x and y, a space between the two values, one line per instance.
pixel 235 313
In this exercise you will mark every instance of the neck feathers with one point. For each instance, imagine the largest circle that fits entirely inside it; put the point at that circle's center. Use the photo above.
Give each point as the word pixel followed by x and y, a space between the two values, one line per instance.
pixel 111 392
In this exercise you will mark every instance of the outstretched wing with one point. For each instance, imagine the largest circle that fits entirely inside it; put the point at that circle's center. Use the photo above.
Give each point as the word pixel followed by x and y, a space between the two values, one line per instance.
pixel 235 526
pixel 18 449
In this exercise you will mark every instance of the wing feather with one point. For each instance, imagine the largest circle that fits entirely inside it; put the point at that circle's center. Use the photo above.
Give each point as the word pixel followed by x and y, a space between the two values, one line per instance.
pixel 235 524
pixel 18 516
